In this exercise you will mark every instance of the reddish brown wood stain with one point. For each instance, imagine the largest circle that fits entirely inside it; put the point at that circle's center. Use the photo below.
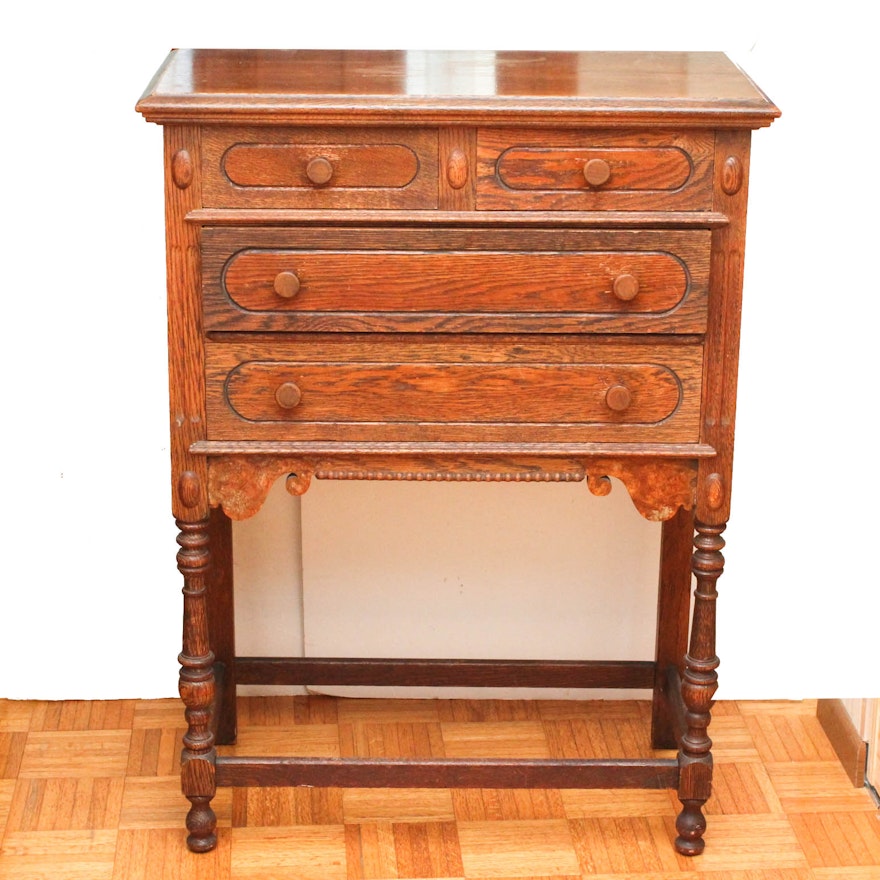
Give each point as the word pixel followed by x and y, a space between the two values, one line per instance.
pixel 540 281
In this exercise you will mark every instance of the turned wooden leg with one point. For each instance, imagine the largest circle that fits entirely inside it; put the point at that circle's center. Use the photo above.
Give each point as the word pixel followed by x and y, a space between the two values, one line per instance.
pixel 197 686
pixel 699 681
pixel 221 623
pixel 673 620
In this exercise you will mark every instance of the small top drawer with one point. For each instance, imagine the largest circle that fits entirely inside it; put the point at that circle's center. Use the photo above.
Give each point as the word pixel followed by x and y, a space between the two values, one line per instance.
pixel 319 168
pixel 593 170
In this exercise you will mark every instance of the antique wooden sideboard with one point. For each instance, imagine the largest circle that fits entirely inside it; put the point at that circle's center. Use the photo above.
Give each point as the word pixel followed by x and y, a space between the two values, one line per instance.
pixel 454 266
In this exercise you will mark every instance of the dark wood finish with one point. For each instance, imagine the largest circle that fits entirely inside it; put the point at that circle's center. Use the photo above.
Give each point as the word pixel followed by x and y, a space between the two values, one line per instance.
pixel 375 274
pixel 445 673
pixel 673 612
pixel 221 623
pixel 447 773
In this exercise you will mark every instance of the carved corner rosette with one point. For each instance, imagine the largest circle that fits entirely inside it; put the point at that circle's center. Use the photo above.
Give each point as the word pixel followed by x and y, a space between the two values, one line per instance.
pixel 658 489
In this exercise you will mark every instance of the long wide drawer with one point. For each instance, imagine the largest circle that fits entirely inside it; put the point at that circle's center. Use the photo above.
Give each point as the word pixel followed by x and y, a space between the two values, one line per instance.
pixel 421 388
pixel 536 281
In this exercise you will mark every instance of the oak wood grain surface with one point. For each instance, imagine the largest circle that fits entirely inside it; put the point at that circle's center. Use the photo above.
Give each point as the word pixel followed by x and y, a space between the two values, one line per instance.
pixel 514 266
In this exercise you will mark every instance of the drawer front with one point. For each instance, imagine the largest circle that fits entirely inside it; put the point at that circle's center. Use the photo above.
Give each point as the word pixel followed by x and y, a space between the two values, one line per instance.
pixel 594 171
pixel 319 168
pixel 572 281
pixel 387 389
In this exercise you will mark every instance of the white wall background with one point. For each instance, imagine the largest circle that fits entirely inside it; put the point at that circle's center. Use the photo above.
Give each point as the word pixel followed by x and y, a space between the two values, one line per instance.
pixel 90 601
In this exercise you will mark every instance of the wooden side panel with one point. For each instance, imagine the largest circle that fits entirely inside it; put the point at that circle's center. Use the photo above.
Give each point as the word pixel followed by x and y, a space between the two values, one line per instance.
pixel 185 344
pixel 722 338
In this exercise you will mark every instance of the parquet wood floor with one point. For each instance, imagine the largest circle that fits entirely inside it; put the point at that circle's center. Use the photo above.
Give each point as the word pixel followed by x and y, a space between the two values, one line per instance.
pixel 89 791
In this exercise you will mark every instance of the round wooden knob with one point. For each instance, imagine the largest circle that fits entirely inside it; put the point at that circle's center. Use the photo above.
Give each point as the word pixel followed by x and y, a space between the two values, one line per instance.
pixel 626 287
pixel 618 398
pixel 288 395
pixel 319 170
pixel 597 172
pixel 287 284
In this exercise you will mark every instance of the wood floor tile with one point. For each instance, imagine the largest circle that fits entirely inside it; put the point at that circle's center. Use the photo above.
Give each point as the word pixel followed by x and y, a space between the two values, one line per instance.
pixel 427 849
pixel 832 840
pixel 732 740
pixel 598 738
pixel 601 803
pixel 851 872
pixel 623 845
pixel 7 789
pixel 517 849
pixel 68 715
pixel 398 804
pixel 154 751
pixel 156 802
pixel 161 854
pixel 80 753
pixel 404 739
pixel 741 843
pixel 488 710
pixel 499 805
pixel 303 852
pixel 307 740
pixel 787 708
pixel 388 711
pixel 15 715
pixel 495 739
pixel 742 789
pixel 286 806
pixel 72 804
pixel 72 855
pixel 87 793
pixel 564 710
pixel 370 853
pixel 795 738
pixel 158 713
pixel 11 752
pixel 285 711
pixel 822 786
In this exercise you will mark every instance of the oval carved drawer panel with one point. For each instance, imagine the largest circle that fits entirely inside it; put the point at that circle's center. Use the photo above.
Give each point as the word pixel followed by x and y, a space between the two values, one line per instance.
pixel 594 170
pixel 531 168
pixel 380 387
pixel 347 165
pixel 319 168
pixel 456 281
pixel 390 392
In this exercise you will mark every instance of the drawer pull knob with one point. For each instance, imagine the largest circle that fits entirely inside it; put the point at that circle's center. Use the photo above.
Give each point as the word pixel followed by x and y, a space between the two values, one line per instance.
pixel 626 287
pixel 288 395
pixel 319 170
pixel 618 398
pixel 597 172
pixel 287 284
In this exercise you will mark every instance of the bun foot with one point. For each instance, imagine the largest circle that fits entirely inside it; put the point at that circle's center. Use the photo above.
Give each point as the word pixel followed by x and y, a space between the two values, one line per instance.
pixel 690 825
pixel 201 822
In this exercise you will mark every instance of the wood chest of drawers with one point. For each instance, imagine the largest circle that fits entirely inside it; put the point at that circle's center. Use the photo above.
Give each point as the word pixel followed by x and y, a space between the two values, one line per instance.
pixel 374 273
